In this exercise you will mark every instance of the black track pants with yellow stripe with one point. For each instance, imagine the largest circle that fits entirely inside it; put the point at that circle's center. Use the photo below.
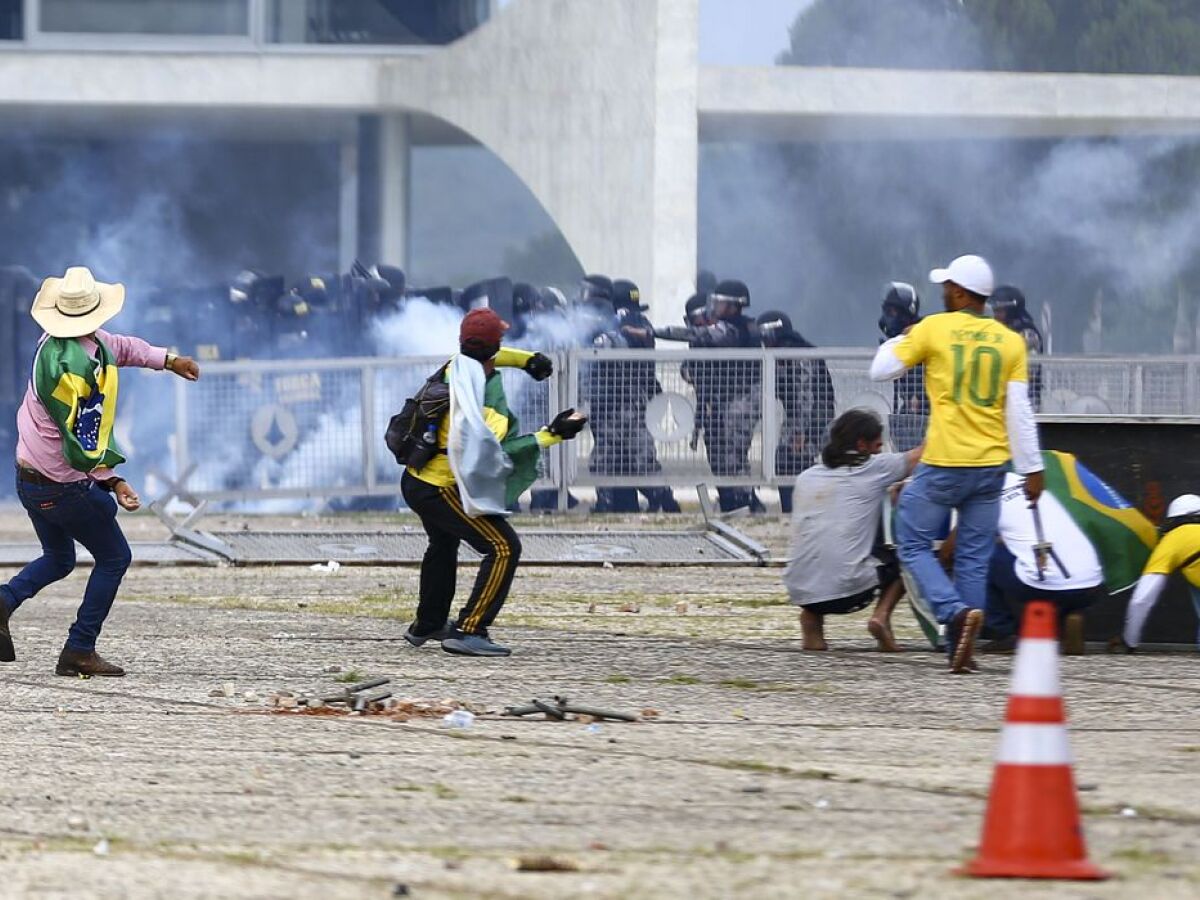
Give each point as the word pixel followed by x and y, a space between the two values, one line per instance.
pixel 447 525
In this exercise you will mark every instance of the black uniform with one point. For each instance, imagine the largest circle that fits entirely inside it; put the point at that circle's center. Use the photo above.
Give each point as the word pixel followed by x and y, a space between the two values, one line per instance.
pixel 804 389
pixel 727 393
pixel 619 392
pixel 1008 306
pixel 910 406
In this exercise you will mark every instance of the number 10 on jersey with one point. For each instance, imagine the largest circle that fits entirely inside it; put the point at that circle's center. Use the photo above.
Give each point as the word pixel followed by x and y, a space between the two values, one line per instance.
pixel 979 369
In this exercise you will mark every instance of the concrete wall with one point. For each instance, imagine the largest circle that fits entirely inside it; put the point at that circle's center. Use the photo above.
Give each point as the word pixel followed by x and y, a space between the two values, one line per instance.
pixel 593 105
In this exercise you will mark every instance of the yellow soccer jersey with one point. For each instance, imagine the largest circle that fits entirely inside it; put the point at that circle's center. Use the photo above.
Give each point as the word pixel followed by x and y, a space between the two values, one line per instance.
pixel 969 361
pixel 1173 551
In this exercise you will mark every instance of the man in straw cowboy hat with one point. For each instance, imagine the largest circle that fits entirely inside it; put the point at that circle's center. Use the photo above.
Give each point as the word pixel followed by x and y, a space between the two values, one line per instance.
pixel 66 454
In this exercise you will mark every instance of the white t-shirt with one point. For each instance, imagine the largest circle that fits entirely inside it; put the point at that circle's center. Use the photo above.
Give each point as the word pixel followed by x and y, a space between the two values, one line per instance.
pixel 835 517
pixel 1019 535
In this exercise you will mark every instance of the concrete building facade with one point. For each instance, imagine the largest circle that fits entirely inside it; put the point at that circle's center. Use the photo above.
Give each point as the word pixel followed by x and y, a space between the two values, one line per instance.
pixel 599 107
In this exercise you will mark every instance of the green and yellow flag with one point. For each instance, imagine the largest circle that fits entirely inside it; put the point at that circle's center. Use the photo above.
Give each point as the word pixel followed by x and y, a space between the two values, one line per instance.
pixel 80 393
pixel 1122 536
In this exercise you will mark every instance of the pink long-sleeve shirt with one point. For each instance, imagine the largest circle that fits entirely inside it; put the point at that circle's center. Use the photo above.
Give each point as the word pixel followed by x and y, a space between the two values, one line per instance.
pixel 39 442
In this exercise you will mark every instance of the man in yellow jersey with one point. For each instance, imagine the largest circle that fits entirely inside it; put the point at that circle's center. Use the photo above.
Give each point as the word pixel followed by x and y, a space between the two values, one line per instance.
pixel 1177 551
pixel 977 382
pixel 464 492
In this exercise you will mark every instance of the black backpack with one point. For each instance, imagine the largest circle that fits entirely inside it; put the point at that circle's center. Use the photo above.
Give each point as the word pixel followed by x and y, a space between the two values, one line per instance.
pixel 412 433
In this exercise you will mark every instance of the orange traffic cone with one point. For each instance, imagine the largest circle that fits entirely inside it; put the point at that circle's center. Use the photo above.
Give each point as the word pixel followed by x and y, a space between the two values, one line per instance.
pixel 1032 828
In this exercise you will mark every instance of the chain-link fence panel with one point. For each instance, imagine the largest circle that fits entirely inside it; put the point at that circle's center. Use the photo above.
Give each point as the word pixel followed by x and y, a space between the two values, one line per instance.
pixel 144 432
pixel 1123 387
pixel 658 418
pixel 391 383
pixel 259 430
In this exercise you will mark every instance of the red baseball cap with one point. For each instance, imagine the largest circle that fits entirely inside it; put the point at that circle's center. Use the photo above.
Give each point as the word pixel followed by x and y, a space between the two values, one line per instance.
pixel 482 326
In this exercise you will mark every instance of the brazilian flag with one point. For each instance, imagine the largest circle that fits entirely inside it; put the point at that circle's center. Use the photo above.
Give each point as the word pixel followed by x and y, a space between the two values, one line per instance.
pixel 80 394
pixel 1122 536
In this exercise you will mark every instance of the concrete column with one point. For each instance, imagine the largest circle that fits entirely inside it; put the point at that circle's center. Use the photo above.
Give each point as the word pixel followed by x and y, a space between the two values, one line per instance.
pixel 674 225
pixel 594 106
pixel 395 166
pixel 348 203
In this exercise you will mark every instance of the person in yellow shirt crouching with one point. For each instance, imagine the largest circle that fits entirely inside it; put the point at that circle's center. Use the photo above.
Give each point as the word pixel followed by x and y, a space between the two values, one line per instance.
pixel 1177 551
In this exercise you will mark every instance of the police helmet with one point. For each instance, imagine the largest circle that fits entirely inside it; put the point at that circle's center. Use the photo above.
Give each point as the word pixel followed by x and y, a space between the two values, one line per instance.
pixel 728 299
pixel 773 326
pixel 596 289
pixel 393 275
pixel 1008 303
pixel 625 295
pixel 706 282
pixel 902 296
pixel 730 291
pixel 525 298
pixel 694 310
pixel 243 286
pixel 901 308
pixel 551 299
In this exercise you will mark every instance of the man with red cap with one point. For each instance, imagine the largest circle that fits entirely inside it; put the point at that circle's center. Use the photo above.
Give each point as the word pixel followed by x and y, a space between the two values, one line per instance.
pixel 464 492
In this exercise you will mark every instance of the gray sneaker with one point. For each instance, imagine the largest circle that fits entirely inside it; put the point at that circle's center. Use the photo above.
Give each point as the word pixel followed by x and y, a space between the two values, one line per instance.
pixel 438 634
pixel 473 645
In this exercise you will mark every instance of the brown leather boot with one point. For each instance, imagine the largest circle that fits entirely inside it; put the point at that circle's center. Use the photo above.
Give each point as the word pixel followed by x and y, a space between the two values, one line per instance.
pixel 78 662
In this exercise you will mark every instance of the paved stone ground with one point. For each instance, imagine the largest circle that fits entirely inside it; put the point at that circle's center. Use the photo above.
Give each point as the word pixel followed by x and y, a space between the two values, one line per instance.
pixel 768 772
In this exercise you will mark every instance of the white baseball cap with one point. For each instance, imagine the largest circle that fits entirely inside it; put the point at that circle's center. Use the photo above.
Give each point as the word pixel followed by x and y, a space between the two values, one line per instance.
pixel 1183 505
pixel 970 272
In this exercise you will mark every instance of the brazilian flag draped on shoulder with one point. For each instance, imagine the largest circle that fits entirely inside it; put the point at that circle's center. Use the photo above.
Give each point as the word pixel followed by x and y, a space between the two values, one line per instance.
pixel 1122 536
pixel 80 393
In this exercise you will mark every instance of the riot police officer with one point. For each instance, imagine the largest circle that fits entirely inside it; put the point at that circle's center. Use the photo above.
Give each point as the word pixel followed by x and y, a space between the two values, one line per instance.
pixel 804 389
pixel 636 386
pixel 910 407
pixel 727 392
pixel 1008 307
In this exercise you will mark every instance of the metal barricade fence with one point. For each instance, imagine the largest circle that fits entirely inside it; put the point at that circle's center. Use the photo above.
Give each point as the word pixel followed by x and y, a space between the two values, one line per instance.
pixel 254 431
pixel 312 428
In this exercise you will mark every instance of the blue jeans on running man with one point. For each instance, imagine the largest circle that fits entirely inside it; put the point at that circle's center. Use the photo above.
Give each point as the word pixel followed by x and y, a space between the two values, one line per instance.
pixel 63 514
pixel 924 508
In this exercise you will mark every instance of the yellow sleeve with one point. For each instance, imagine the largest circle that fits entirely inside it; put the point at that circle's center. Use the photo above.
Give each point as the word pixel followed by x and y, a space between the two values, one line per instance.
pixel 512 358
pixel 913 348
pixel 1168 555
pixel 546 439
pixel 496 423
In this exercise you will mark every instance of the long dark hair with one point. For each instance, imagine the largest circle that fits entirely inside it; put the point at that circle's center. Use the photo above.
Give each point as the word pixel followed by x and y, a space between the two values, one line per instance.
pixel 847 430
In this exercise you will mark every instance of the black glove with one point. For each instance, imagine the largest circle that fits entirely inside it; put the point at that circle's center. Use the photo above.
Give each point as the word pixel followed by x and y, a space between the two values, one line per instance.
pixel 539 366
pixel 566 427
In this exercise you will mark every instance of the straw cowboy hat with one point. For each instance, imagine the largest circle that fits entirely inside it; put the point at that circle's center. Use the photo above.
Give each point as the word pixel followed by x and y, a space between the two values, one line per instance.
pixel 76 304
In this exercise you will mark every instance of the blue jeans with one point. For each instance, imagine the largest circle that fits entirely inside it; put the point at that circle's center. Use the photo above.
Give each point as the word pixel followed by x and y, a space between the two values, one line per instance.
pixel 1007 595
pixel 62 514
pixel 924 507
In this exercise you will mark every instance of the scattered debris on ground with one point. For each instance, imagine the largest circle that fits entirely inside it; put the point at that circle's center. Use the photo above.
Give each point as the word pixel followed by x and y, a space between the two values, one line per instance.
pixel 560 708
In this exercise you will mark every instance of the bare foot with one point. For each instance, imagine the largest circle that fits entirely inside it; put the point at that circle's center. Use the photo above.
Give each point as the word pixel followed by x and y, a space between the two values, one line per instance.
pixel 812 628
pixel 882 632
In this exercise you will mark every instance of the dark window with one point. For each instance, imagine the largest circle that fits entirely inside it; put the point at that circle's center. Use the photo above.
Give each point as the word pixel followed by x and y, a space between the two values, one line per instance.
pixel 173 17
pixel 11 26
pixel 373 21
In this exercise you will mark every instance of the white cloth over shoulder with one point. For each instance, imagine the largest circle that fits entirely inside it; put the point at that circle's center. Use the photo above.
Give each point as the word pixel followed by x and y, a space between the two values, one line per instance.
pixel 479 463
